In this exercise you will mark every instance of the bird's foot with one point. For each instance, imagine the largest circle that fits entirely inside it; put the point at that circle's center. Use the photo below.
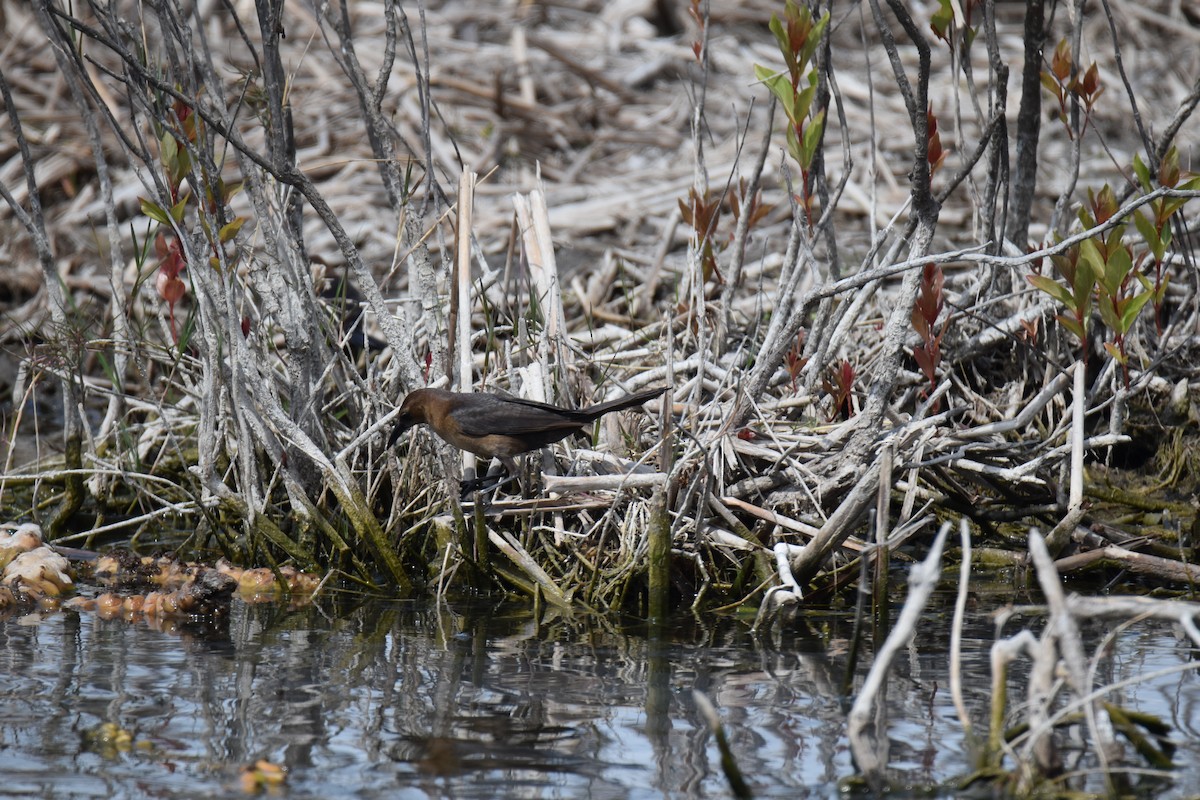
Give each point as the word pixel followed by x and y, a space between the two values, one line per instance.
pixel 488 484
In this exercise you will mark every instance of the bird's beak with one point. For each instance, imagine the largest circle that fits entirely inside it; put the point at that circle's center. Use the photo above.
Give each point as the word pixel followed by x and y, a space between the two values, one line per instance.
pixel 397 432
pixel 403 423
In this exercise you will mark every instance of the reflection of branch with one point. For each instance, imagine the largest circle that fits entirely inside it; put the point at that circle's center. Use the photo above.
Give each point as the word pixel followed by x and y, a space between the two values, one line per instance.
pixel 870 747
pixel 1060 648
pixel 960 610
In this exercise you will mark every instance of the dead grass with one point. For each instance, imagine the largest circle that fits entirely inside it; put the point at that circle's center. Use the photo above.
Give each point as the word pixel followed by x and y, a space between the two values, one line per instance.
pixel 585 282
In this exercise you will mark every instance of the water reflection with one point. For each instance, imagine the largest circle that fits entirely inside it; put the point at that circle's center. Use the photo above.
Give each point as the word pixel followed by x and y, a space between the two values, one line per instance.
pixel 403 700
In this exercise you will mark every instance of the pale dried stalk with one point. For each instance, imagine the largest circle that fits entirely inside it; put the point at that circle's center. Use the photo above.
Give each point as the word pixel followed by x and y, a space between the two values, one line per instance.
pixel 462 301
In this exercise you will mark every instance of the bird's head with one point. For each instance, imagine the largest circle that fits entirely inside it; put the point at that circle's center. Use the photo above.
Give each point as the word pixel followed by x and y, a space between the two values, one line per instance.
pixel 413 411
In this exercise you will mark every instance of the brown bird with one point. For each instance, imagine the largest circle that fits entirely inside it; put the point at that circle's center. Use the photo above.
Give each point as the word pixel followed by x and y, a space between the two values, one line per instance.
pixel 495 426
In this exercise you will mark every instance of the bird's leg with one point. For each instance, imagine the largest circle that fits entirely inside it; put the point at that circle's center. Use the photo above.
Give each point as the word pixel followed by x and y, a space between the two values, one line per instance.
pixel 488 484
pixel 491 482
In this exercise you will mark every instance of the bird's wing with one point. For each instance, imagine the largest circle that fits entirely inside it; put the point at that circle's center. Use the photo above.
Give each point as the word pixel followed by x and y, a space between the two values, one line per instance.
pixel 515 417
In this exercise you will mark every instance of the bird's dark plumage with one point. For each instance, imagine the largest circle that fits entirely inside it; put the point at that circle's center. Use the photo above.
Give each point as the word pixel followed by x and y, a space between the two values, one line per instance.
pixel 495 426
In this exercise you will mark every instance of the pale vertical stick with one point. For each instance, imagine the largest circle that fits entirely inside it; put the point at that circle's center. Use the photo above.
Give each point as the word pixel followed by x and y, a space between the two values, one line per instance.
pixel 547 265
pixel 1078 407
pixel 1061 534
pixel 524 73
pixel 466 204
pixel 534 221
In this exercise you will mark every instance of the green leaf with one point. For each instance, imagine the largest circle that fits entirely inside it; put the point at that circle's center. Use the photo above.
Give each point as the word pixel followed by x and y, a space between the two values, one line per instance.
pixel 1051 85
pixel 1142 172
pixel 1170 205
pixel 1085 218
pixel 1052 288
pixel 812 138
pixel 1146 229
pixel 764 74
pixel 154 211
pixel 168 151
pixel 230 230
pixel 178 209
pixel 1090 264
pixel 1072 325
pixel 1109 313
pixel 1116 353
pixel 1112 242
pixel 1131 308
pixel 804 99
pixel 183 165
pixel 1118 266
pixel 793 145
pixel 814 39
pixel 777 27
pixel 1160 291
pixel 941 19
pixel 781 87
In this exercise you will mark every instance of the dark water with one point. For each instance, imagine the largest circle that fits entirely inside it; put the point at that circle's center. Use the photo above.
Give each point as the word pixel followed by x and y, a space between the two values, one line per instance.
pixel 392 700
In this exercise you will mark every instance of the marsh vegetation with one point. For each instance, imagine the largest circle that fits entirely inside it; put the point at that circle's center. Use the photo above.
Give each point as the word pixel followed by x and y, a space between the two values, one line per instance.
pixel 902 270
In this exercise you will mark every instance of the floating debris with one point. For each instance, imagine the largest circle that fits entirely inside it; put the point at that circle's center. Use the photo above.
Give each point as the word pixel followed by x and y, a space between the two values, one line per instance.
pixel 37 576
pixel 262 775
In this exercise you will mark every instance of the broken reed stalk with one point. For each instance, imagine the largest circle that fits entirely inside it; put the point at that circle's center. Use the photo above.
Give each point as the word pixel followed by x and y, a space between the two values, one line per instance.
pixel 480 553
pixel 1003 653
pixel 1057 539
pixel 513 549
pixel 462 303
pixel 534 220
pixel 881 607
pixel 659 556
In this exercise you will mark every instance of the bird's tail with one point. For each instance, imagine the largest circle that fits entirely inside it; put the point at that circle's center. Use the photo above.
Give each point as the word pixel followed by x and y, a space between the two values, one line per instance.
pixel 629 401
